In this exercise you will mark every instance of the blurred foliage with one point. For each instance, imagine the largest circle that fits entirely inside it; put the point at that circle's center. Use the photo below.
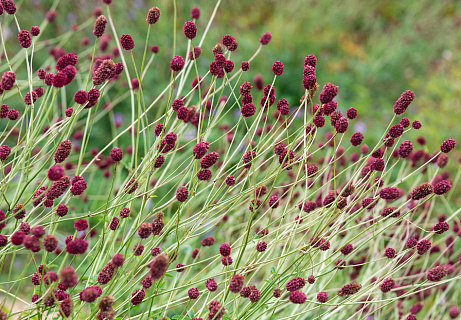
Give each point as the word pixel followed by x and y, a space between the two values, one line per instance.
pixel 374 50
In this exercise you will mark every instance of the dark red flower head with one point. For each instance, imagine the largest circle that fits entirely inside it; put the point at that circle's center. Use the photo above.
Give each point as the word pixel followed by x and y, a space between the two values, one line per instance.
pixel 177 63
pixel 127 42
pixel 35 31
pixel 99 26
pixel 328 93
pixel 265 38
pixel 190 30
pixel 25 40
pixel 153 15
pixel 403 102
pixel 63 151
pixel 278 68
pixel 448 145
pixel 195 13
pixel 8 80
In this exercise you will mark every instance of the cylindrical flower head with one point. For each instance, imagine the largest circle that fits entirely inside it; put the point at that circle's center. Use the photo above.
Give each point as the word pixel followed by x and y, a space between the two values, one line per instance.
pixel 328 93
pixel 236 283
pixel 58 188
pixel 69 59
pixel 158 266
pixel 127 42
pixel 422 191
pixel 153 15
pixel 63 151
pixel 437 273
pixel 99 26
pixel 8 80
pixel 278 68
pixel 195 13
pixel 442 187
pixel 190 30
pixel 9 6
pixel 4 152
pixel 25 40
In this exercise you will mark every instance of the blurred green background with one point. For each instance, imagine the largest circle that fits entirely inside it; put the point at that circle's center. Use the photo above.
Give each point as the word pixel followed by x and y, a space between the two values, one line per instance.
pixel 374 50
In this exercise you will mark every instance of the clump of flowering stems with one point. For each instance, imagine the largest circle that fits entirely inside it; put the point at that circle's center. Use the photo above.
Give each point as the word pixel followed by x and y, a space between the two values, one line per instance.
pixel 206 212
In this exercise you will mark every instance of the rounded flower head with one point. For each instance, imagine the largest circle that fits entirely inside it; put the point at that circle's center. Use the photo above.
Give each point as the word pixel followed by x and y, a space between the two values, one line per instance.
pixel 411 243
pixel 423 246
pixel 50 243
pixel 35 31
pixel 13 114
pixel 59 80
pixel 265 38
pixel 248 110
pixel 182 194
pixel 396 131
pixel 322 297
pixel 297 297
pixel 403 102
pixel 77 246
pixel 357 139
pixel 9 6
pixel 441 227
pixel 208 241
pixel 245 65
pixel 225 249
pixel 261 246
pixel 230 180
pixel 193 293
pixel 190 30
pixel 81 225
pixel 405 149
pixel 55 172
pixel 390 253
pixel 211 285
pixel 17 238
pixel 341 125
pixel 448 145
pixel 348 248
pixel 387 285
pixel 177 63
pixel 68 276
pixel 116 154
